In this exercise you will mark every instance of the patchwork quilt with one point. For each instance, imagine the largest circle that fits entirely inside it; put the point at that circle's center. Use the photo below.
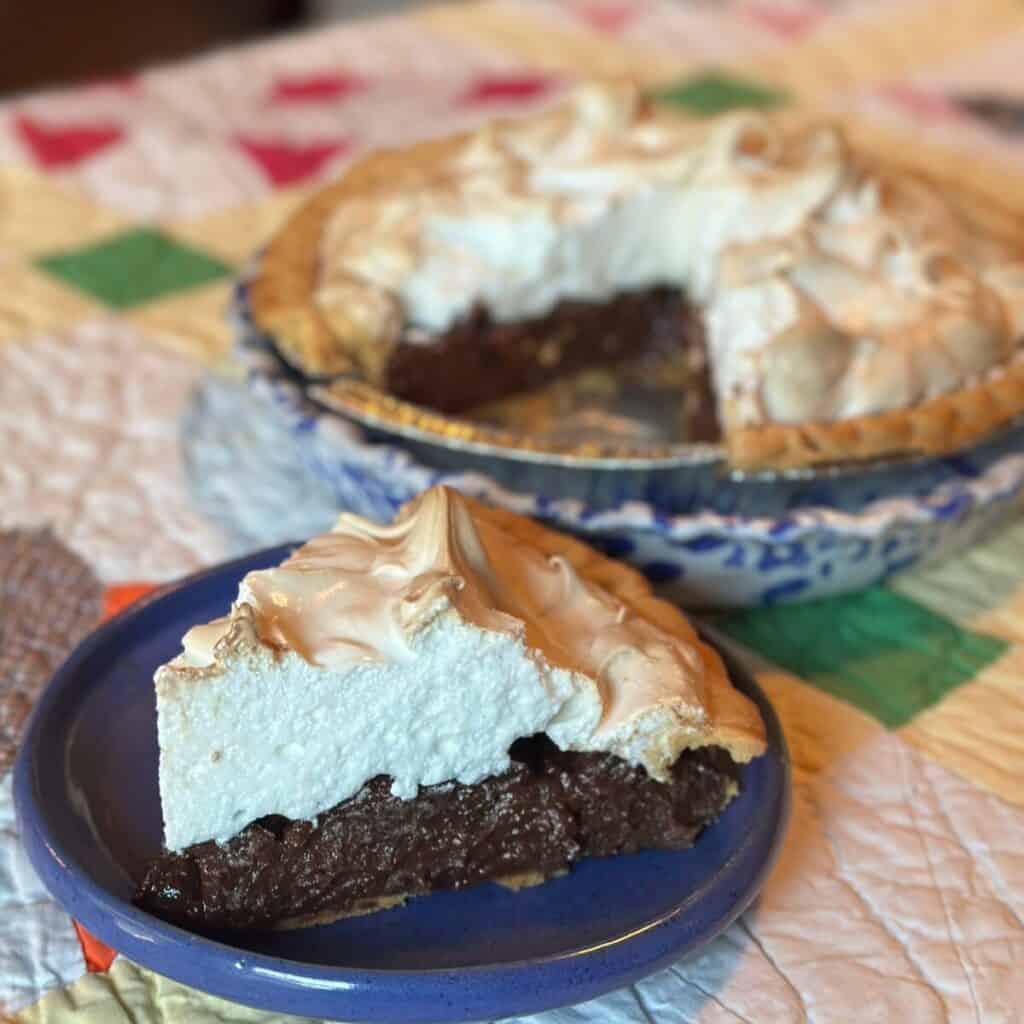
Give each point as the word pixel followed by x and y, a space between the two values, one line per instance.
pixel 132 455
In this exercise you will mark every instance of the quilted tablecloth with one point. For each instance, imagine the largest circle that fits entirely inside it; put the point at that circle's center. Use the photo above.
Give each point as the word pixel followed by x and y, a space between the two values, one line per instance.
pixel 131 455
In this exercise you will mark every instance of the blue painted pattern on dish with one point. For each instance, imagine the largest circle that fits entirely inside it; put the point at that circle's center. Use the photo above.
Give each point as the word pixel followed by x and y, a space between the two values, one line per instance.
pixel 722 536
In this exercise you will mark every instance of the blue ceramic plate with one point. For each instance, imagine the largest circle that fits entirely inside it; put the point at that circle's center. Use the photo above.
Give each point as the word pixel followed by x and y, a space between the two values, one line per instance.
pixel 88 805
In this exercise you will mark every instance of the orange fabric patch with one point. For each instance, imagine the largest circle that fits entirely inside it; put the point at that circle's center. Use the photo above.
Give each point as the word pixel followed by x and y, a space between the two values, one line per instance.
pixel 98 955
pixel 120 596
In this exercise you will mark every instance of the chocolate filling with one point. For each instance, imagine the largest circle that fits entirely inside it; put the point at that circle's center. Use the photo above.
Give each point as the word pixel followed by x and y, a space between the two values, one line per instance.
pixel 550 809
pixel 482 360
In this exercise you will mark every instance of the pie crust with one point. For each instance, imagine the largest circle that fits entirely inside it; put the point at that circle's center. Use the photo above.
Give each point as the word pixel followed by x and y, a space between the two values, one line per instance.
pixel 282 302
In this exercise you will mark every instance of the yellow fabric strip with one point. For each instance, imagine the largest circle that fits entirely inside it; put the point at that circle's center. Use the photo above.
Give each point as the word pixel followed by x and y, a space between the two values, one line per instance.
pixel 851 53
pixel 979 588
pixel 546 44
pixel 194 322
pixel 854 53
pixel 236 234
pixel 976 732
pixel 39 215
pixel 33 303
pixel 127 994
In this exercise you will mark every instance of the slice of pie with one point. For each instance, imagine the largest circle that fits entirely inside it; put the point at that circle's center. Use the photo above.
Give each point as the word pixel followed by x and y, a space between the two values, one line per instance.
pixel 847 310
pixel 457 697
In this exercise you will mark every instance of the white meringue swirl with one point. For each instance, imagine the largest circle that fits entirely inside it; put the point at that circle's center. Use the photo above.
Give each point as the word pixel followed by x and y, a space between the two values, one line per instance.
pixel 828 293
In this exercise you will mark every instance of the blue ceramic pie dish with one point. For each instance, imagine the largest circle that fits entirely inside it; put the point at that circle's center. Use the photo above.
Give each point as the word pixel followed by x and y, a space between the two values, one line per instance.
pixel 707 538
pixel 89 812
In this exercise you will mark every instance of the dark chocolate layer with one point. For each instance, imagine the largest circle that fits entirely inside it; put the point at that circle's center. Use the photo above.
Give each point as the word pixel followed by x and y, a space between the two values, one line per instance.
pixel 480 360
pixel 550 809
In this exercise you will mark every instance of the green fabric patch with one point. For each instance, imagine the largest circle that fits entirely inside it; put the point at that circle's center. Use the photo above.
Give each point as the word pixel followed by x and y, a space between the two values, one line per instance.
pixel 134 267
pixel 712 92
pixel 878 650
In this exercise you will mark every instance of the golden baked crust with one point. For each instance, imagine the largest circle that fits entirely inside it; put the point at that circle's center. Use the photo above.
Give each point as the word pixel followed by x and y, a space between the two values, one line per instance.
pixel 283 306
pixel 370 905
pixel 281 293
pixel 734 721
pixel 360 908
pixel 936 427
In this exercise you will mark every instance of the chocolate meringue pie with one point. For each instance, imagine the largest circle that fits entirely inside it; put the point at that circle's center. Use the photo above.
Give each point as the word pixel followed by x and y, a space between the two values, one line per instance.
pixel 848 310
pixel 458 697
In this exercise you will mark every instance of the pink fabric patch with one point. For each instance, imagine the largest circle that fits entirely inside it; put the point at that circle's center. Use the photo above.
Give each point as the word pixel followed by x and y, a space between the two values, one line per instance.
pixel 286 163
pixel 787 22
pixel 317 88
pixel 64 145
pixel 507 88
pixel 932 106
pixel 609 18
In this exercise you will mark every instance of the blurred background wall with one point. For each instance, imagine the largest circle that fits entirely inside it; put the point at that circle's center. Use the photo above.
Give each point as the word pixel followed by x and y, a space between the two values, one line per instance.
pixel 53 42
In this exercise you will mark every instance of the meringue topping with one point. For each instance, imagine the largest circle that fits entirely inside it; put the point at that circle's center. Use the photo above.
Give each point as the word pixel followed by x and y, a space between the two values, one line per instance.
pixel 361 592
pixel 580 202
pixel 357 593
pixel 781 236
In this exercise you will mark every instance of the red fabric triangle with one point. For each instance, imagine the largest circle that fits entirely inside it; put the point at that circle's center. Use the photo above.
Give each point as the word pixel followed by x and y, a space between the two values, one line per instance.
pixel 121 595
pixel 63 145
pixel 505 88
pixel 286 163
pixel 612 19
pixel 98 955
pixel 316 88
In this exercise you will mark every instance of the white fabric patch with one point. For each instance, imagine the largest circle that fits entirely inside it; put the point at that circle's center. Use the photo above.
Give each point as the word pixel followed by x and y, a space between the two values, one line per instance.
pixel 39 949
pixel 90 428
